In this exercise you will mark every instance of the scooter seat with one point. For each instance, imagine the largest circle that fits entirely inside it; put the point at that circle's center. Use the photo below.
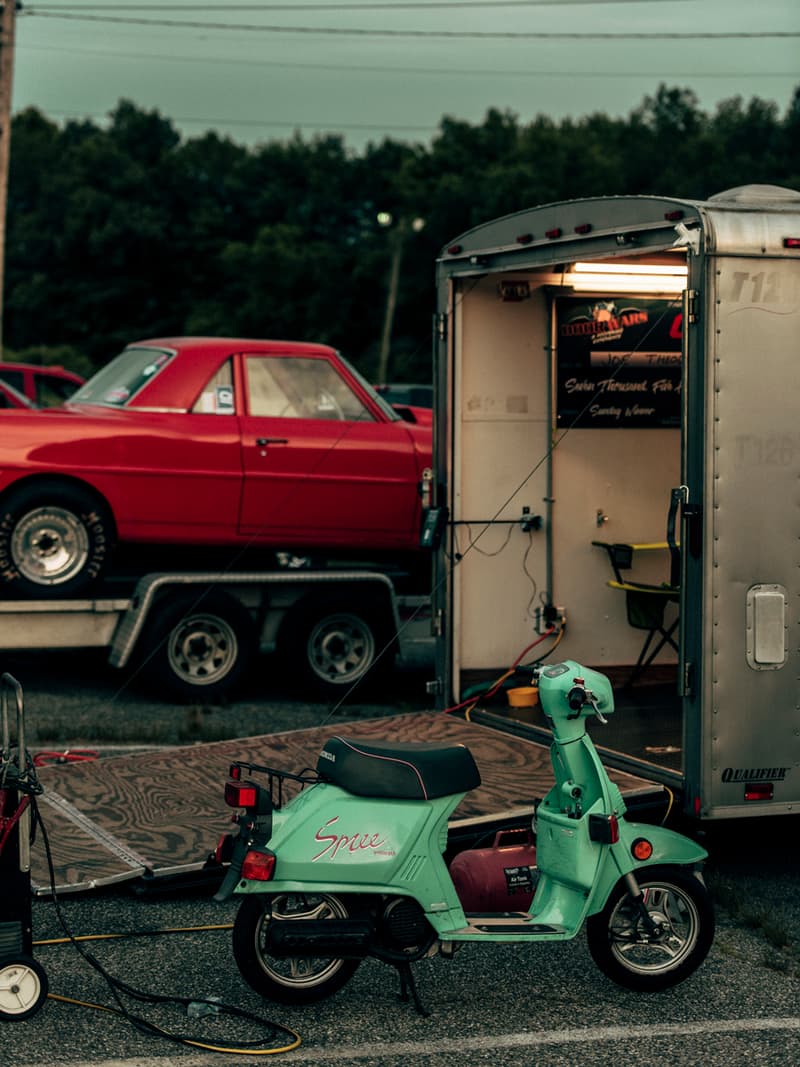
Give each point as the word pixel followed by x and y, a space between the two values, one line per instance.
pixel 399 770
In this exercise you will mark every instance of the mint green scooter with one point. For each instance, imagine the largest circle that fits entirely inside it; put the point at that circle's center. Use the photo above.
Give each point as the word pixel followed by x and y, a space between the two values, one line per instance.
pixel 352 865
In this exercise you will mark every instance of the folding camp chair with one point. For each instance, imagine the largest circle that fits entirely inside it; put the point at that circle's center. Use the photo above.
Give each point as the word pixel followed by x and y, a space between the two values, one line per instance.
pixel 645 604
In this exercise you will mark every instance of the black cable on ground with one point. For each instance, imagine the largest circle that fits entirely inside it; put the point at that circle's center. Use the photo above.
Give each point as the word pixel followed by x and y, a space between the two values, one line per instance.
pixel 119 988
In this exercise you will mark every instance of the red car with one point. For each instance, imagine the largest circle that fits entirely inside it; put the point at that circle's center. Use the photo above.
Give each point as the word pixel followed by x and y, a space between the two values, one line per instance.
pixel 206 442
pixel 10 398
pixel 45 387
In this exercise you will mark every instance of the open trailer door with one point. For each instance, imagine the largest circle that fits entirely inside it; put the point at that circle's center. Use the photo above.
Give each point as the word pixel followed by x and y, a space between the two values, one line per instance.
pixel 741 526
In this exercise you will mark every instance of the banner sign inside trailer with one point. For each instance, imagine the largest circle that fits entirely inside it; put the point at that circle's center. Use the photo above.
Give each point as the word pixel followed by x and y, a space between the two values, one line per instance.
pixel 618 361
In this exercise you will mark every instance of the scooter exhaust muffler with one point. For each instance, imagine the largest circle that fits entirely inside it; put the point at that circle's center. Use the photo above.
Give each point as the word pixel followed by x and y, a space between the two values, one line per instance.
pixel 339 938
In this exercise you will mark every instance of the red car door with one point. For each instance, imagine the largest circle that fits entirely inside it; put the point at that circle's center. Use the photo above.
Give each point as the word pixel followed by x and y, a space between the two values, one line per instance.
pixel 320 467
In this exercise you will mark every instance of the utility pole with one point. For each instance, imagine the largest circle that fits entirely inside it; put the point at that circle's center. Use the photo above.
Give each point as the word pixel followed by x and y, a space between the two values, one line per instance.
pixel 398 236
pixel 7 25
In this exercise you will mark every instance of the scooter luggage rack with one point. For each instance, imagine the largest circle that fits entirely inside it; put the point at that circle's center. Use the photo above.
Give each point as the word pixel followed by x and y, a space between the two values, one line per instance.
pixel 276 779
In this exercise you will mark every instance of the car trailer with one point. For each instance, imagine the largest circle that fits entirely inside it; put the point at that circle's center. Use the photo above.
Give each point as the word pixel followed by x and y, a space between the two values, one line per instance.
pixel 23 982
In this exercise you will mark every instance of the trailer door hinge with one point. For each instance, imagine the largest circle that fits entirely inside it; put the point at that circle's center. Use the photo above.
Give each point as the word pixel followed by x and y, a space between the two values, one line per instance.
pixel 441 326
pixel 692 306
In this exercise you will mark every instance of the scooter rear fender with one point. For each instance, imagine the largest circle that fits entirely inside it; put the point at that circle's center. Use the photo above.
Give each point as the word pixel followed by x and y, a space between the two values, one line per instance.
pixel 328 840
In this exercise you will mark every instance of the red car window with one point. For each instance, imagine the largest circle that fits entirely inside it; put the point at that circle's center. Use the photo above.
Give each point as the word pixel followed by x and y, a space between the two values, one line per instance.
pixel 217 397
pixel 301 388
pixel 120 380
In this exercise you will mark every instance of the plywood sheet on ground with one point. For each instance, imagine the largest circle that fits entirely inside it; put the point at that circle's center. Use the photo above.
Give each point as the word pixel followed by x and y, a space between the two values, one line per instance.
pixel 162 812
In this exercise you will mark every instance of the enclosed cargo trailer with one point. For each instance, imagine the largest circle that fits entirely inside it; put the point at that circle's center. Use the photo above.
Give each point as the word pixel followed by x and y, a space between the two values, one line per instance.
pixel 617 406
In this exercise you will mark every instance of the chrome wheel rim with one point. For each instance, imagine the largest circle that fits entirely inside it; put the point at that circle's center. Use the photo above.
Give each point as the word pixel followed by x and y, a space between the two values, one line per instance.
pixel 341 648
pixel 678 928
pixel 203 649
pixel 50 545
pixel 306 972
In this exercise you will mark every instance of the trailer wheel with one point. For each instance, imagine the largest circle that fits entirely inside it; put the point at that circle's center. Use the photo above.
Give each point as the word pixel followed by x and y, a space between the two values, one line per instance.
pixel 288 981
pixel 336 646
pixel 201 647
pixel 23 988
pixel 55 540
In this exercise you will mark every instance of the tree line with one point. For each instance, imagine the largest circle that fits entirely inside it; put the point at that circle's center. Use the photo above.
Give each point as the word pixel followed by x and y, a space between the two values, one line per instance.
pixel 127 231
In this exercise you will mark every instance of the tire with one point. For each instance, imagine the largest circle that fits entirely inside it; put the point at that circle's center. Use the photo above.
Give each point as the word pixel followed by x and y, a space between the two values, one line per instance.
pixel 624 951
pixel 288 981
pixel 201 648
pixel 56 540
pixel 23 988
pixel 338 647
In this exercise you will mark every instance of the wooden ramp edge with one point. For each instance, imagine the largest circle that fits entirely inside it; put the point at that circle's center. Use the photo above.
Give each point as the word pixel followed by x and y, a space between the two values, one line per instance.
pixel 161 813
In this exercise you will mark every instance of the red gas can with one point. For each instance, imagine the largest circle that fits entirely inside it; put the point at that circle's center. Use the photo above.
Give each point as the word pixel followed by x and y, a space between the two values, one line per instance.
pixel 500 878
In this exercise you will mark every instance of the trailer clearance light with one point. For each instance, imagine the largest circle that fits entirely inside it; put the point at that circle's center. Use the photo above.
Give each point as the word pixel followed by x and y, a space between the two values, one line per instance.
pixel 627 278
pixel 758 791
pixel 791 242
pixel 259 866
pixel 641 849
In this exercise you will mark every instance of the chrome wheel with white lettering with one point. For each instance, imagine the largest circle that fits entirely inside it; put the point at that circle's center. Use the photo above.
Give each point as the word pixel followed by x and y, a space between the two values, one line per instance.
pixel 301 979
pixel 55 540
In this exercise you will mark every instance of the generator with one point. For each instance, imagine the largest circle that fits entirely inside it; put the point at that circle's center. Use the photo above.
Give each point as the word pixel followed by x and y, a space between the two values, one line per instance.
pixel 23 982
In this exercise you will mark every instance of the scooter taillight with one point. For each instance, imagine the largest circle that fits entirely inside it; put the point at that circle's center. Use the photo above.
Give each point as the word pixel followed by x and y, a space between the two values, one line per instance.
pixel 259 866
pixel 241 794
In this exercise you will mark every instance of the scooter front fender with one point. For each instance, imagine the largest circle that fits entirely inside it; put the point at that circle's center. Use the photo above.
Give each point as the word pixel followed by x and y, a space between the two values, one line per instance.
pixel 668 846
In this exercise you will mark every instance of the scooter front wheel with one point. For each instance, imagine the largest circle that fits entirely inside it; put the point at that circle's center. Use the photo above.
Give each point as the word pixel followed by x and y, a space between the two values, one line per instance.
pixel 638 957
pixel 288 981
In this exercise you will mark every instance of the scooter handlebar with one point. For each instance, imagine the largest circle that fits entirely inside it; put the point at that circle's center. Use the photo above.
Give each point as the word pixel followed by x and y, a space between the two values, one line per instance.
pixel 576 697
pixel 569 690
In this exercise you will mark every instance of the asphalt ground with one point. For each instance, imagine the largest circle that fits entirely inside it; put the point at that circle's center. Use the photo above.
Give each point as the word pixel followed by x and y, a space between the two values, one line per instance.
pixel 520 1005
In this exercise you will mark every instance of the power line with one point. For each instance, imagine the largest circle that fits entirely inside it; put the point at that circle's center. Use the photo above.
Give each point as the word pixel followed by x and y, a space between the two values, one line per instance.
pixel 519 35
pixel 384 69
pixel 269 123
pixel 394 5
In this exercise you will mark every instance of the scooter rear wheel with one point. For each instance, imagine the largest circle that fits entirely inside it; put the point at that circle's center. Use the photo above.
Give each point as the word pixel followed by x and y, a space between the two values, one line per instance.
pixel 633 957
pixel 288 981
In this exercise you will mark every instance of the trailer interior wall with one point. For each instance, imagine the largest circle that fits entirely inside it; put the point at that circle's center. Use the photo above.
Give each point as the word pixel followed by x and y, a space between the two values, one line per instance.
pixel 503 428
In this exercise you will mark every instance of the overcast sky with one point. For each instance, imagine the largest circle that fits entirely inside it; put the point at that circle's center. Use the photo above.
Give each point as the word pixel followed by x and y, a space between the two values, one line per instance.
pixel 259 71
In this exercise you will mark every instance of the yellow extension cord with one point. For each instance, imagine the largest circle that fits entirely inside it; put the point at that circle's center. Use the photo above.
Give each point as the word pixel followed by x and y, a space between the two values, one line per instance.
pixel 182 1040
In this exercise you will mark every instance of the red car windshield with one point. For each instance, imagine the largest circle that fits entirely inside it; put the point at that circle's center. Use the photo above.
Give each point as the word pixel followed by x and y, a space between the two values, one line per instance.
pixel 121 379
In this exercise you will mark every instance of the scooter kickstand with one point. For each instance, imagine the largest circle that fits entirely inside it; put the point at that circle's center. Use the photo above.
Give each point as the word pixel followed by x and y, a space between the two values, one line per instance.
pixel 409 986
